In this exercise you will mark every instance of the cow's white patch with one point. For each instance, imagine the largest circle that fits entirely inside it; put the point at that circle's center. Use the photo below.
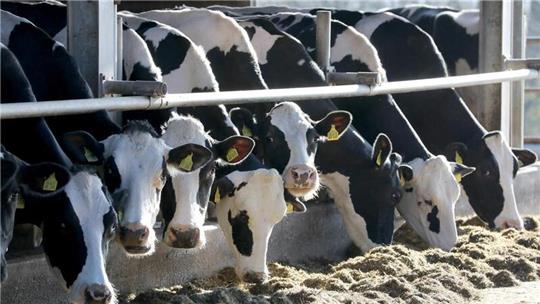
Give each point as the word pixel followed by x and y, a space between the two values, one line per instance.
pixel 262 41
pixel 135 51
pixel 183 130
pixel 463 67
pixel 90 205
pixel 301 62
pixel 139 159
pixel 354 223
pixel 509 216
pixel 264 212
pixel 433 185
pixel 467 19
pixel 351 42
pixel 61 36
pixel 411 9
pixel 369 24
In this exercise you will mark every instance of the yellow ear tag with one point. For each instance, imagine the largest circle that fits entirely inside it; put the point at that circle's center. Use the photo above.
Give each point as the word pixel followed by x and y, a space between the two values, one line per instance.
pixel 217 196
pixel 90 157
pixel 20 202
pixel 459 160
pixel 187 163
pixel 50 183
pixel 246 131
pixel 333 134
pixel 379 159
pixel 290 208
pixel 232 154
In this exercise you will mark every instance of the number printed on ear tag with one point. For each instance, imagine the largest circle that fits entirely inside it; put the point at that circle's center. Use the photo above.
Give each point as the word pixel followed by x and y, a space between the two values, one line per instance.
pixel 187 163
pixel 333 134
pixel 232 154
pixel 90 157
pixel 50 183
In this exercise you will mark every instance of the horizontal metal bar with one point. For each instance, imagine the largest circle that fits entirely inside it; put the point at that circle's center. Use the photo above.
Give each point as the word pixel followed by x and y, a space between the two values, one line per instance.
pixel 531 63
pixel 66 107
pixel 534 90
pixel 134 88
pixel 533 39
pixel 532 139
pixel 367 78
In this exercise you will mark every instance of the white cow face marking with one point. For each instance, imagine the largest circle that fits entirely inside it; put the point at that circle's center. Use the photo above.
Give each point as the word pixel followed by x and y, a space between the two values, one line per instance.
pixel 429 200
pixel 189 214
pixel 135 174
pixel 290 142
pixel 247 218
pixel 97 221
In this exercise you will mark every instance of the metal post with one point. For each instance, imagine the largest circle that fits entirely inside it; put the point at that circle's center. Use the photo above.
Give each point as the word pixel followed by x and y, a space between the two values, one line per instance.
pixel 488 108
pixel 517 87
pixel 91 39
pixel 323 40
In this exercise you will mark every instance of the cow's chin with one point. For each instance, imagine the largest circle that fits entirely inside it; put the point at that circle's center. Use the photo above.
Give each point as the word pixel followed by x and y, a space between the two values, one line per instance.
pixel 304 193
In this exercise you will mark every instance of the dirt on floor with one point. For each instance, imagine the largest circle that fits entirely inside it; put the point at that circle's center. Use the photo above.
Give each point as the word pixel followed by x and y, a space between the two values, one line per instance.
pixel 407 272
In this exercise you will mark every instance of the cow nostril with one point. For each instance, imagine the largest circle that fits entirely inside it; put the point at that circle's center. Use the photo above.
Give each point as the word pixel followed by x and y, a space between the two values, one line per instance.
pixel 295 175
pixel 144 234
pixel 97 294
pixel 312 174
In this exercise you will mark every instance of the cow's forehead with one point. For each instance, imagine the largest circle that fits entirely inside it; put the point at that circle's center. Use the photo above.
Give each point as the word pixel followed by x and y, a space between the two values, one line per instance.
pixel 138 150
pixel 288 117
pixel 184 129
pixel 86 196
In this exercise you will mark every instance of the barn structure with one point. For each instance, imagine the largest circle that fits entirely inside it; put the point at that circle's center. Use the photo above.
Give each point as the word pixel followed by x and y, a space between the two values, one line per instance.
pixel 93 39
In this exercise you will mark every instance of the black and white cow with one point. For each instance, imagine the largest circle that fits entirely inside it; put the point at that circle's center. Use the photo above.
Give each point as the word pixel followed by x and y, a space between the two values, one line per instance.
pixel 64 204
pixel 447 126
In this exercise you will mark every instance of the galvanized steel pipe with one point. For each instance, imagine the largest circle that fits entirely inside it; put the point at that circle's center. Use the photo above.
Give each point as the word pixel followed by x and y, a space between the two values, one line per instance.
pixel 67 107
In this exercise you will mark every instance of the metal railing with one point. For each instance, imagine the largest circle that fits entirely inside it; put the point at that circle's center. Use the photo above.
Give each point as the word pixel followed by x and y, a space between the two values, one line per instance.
pixel 75 106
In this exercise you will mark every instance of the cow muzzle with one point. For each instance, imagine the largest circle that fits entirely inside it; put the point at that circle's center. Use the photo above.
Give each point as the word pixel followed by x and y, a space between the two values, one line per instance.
pixel 183 237
pixel 301 179
pixel 254 277
pixel 134 238
pixel 97 294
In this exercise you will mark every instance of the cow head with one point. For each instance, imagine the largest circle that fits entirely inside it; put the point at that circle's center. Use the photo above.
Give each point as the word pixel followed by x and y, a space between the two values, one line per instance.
pixel 78 221
pixel 289 139
pixel 135 169
pixel 247 217
pixel 368 207
pixel 185 197
pixel 490 189
pixel 431 191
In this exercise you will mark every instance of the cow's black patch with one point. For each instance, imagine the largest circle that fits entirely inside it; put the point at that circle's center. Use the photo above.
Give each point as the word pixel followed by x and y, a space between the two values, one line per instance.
pixel 274 141
pixel 145 25
pixel 141 72
pixel 433 219
pixel 170 52
pixel 250 31
pixel 347 64
pixel 111 175
pixel 241 234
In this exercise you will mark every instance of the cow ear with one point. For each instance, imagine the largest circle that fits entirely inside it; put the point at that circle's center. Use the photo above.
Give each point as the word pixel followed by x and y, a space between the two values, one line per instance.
pixel 381 149
pixel 460 170
pixel 234 149
pixel 221 188
pixel 456 152
pixel 189 157
pixel 243 120
pixel 406 174
pixel 525 156
pixel 333 125
pixel 294 205
pixel 82 148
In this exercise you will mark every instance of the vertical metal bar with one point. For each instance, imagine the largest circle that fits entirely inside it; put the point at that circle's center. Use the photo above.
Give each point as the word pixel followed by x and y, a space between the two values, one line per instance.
pixel 119 49
pixel 490 60
pixel 323 40
pixel 517 87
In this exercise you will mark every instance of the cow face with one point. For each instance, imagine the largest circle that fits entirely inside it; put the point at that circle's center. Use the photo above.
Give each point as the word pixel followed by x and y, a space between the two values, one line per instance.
pixel 368 207
pixel 431 192
pixel 135 167
pixel 78 221
pixel 289 140
pixel 490 189
pixel 186 196
pixel 247 217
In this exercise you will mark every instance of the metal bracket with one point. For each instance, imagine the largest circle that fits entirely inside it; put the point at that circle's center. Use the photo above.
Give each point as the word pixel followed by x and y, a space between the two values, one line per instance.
pixel 366 78
pixel 529 63
pixel 134 88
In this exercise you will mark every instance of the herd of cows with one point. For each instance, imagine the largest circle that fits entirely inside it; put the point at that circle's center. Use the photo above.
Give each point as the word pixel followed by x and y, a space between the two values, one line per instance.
pixel 86 181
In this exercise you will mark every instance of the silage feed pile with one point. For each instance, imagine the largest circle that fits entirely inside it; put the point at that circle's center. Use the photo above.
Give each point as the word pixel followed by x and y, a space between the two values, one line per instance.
pixel 406 272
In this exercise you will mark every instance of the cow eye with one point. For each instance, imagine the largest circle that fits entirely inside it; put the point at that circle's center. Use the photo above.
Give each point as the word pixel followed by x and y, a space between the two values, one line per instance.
pixel 487 173
pixel 269 139
pixel 396 197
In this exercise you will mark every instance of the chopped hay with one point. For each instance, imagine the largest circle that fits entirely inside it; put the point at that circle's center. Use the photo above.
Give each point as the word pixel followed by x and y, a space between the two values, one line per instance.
pixel 407 272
